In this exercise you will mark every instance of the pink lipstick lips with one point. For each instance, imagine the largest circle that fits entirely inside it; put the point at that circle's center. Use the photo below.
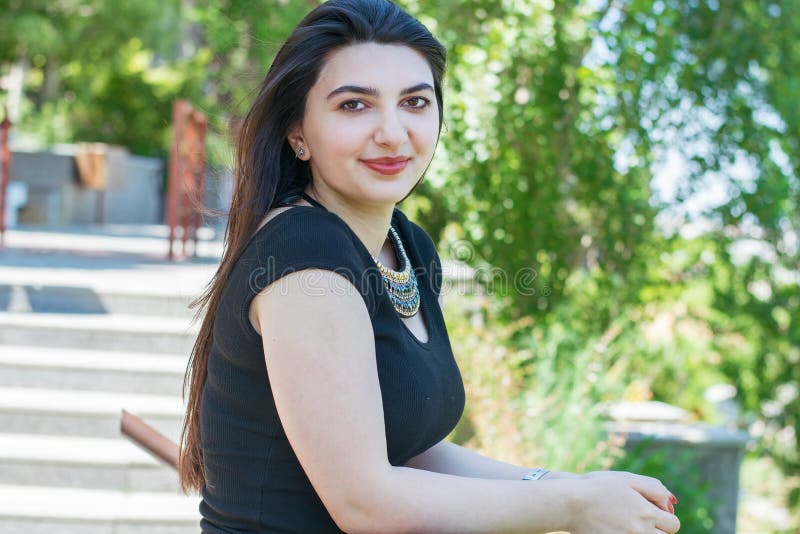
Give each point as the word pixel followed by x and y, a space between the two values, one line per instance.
pixel 387 165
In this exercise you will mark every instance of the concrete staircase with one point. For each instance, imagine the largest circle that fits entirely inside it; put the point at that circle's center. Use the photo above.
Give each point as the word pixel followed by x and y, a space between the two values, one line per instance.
pixel 84 333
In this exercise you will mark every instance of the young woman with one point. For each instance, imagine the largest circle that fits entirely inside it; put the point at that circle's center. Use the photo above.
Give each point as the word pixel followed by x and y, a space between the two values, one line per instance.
pixel 322 383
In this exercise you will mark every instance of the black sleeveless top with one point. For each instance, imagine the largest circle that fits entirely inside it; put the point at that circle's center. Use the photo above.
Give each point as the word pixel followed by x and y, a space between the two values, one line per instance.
pixel 254 482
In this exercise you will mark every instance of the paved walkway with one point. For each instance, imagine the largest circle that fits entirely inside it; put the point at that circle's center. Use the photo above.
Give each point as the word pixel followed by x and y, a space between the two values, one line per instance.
pixel 125 258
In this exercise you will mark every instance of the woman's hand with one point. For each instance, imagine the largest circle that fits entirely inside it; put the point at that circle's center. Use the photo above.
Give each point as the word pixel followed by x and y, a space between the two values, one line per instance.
pixel 610 504
pixel 650 488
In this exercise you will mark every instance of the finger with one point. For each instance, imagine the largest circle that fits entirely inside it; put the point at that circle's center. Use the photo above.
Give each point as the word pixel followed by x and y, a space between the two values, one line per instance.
pixel 661 502
pixel 664 520
pixel 652 489
pixel 665 505
pixel 667 522
pixel 658 500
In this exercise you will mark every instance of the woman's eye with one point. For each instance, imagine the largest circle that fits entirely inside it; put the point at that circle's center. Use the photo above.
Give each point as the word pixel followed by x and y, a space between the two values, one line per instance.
pixel 418 102
pixel 352 105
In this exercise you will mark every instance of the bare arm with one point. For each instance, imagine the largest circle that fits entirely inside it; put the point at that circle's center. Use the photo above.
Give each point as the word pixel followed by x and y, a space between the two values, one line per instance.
pixel 325 385
pixel 451 458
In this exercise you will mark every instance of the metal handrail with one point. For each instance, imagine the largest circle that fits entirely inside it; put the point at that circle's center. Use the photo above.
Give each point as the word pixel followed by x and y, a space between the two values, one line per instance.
pixel 149 439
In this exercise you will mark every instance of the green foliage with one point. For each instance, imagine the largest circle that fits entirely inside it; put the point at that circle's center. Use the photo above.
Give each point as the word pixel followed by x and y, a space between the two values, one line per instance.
pixel 525 396
pixel 101 78
pixel 557 112
pixel 678 471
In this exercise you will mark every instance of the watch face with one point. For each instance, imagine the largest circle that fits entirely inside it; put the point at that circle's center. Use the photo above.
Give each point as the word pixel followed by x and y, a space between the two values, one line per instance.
pixel 535 474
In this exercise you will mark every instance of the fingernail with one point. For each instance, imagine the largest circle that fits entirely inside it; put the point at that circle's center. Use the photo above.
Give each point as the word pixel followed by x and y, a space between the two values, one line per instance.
pixel 671 509
pixel 673 499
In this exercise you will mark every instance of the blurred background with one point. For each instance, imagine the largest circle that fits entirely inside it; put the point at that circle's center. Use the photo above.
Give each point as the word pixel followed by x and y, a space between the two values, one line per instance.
pixel 615 197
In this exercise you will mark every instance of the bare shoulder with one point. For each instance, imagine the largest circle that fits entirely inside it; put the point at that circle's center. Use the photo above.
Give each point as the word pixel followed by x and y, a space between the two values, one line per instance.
pixel 339 283
pixel 319 351
pixel 271 214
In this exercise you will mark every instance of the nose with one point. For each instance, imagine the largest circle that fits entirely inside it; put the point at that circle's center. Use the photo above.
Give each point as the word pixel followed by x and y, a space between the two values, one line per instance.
pixel 391 132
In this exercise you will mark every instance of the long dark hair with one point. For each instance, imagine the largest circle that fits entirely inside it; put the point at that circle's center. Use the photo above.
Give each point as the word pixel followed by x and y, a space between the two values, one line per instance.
pixel 266 166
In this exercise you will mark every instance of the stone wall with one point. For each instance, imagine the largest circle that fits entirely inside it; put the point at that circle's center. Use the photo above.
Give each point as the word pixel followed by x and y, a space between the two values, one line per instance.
pixel 55 196
pixel 713 454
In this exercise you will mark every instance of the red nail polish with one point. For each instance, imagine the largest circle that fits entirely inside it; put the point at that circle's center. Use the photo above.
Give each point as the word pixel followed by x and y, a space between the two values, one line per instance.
pixel 671 509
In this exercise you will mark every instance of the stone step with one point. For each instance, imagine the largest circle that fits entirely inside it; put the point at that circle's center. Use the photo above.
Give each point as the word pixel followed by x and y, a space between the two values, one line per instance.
pixel 40 510
pixel 127 333
pixel 80 462
pixel 85 413
pixel 142 239
pixel 91 370
pixel 89 275
pixel 33 297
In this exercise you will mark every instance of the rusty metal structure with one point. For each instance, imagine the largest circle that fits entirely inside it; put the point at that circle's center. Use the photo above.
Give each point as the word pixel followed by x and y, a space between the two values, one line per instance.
pixel 186 176
pixel 5 173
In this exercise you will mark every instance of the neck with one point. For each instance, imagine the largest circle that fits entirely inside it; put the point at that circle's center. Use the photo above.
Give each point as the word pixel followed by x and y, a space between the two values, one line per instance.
pixel 369 222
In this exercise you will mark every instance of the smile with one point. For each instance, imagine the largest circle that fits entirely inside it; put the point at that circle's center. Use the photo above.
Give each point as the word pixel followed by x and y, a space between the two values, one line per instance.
pixel 386 165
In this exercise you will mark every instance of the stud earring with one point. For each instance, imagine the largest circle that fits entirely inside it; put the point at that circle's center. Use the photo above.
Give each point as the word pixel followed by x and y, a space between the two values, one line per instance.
pixel 300 152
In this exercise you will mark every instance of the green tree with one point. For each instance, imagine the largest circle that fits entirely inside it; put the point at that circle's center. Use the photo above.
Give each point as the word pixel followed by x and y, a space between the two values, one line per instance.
pixel 558 112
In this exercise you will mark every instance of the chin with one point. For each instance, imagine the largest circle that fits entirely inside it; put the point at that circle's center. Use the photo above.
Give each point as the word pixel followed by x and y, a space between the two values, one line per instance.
pixel 389 192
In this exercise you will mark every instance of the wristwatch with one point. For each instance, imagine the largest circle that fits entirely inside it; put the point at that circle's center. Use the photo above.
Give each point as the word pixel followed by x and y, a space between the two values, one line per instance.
pixel 536 474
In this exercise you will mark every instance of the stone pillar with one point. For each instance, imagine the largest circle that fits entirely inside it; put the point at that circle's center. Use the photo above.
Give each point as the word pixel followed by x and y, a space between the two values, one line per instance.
pixel 715 453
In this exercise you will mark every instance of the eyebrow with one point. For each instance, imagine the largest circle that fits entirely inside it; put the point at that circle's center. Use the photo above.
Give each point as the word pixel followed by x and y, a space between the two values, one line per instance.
pixel 371 91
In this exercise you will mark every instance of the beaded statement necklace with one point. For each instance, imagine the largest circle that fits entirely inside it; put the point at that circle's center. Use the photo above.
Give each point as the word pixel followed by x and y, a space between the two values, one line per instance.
pixel 401 286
